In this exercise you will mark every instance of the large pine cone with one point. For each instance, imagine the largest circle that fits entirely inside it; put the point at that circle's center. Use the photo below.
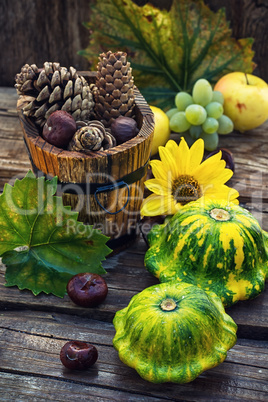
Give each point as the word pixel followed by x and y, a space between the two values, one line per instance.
pixel 92 136
pixel 114 90
pixel 53 88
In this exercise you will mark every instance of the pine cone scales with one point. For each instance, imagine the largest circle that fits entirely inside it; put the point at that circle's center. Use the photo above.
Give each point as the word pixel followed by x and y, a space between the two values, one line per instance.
pixel 91 136
pixel 114 90
pixel 53 88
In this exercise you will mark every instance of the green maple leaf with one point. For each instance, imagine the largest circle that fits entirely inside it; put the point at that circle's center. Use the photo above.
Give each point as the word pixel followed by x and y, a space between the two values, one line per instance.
pixel 41 242
pixel 168 50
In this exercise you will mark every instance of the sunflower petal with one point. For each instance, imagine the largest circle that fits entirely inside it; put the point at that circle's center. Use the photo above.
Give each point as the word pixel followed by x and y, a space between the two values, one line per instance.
pixel 233 195
pixel 178 156
pixel 213 172
pixel 172 146
pixel 183 157
pixel 213 159
pixel 222 193
pixel 158 169
pixel 225 175
pixel 218 176
pixel 168 160
pixel 158 186
pixel 196 155
pixel 156 205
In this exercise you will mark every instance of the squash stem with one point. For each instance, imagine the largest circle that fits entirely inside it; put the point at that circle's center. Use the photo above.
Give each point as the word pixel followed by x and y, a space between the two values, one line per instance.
pixel 220 214
pixel 168 305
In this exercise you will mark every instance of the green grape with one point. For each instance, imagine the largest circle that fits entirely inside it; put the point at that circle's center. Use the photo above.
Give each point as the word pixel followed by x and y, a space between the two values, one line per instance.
pixel 170 112
pixel 214 109
pixel 202 92
pixel 226 125
pixel 182 100
pixel 217 96
pixel 178 123
pixel 196 114
pixel 210 141
pixel 210 125
pixel 195 131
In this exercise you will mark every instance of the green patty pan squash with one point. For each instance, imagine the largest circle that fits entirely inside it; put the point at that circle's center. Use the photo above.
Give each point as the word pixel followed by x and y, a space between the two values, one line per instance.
pixel 217 246
pixel 172 332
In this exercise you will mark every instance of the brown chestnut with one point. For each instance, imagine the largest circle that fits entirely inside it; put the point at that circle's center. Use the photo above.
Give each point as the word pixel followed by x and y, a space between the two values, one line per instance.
pixel 123 129
pixel 87 289
pixel 59 129
pixel 76 355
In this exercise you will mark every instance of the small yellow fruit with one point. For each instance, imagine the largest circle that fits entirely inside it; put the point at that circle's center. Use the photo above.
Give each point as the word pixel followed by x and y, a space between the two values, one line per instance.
pixel 161 129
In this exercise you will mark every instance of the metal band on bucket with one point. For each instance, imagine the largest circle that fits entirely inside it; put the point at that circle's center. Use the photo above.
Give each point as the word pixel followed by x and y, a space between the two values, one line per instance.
pixel 97 188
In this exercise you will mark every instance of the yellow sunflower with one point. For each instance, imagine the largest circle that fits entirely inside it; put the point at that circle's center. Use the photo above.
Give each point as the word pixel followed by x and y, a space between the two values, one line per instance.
pixel 181 176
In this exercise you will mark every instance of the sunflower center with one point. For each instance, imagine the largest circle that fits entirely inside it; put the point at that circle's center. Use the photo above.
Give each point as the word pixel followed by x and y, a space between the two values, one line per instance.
pixel 185 189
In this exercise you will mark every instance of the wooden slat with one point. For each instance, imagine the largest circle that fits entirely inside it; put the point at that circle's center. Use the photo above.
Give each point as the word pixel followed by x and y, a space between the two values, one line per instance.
pixel 36 339
pixel 38 388
pixel 8 100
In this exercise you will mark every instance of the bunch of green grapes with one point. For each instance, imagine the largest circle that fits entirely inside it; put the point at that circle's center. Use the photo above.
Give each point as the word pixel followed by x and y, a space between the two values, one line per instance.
pixel 200 115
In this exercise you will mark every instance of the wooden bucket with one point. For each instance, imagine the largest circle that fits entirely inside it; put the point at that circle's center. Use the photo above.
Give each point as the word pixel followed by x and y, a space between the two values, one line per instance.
pixel 105 187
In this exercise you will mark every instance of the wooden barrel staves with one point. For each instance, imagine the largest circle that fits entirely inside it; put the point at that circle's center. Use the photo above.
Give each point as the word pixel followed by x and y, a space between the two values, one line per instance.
pixel 105 187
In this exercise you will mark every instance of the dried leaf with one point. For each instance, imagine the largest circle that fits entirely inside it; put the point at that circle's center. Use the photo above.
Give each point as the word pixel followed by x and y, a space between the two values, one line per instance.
pixel 168 50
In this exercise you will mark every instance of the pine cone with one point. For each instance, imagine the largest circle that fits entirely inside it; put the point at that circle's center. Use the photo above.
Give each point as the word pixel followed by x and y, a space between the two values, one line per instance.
pixel 91 136
pixel 53 88
pixel 114 90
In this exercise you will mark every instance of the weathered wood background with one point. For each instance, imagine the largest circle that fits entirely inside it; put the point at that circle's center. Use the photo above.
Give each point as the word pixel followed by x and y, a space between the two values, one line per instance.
pixel 35 31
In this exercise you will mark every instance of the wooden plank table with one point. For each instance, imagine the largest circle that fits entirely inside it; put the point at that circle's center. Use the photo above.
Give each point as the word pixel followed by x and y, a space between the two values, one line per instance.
pixel 33 329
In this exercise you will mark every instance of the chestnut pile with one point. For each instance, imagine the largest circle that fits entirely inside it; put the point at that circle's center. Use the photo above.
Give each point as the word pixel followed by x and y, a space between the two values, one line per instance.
pixel 86 290
pixel 64 132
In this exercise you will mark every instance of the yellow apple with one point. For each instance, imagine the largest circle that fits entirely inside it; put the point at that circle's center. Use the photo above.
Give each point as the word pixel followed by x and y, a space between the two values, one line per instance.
pixel 245 99
pixel 161 129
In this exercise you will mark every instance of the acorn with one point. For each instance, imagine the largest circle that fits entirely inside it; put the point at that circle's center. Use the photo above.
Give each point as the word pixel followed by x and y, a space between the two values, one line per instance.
pixel 123 129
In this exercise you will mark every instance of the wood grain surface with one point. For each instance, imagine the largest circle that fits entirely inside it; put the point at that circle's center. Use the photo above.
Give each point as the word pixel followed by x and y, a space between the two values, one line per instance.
pixel 35 31
pixel 34 328
pixel 34 339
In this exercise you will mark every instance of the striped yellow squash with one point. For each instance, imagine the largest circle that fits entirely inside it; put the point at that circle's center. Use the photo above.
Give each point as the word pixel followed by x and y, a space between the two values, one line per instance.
pixel 172 332
pixel 214 245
